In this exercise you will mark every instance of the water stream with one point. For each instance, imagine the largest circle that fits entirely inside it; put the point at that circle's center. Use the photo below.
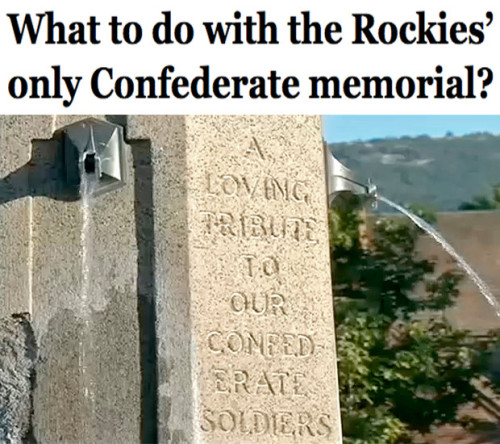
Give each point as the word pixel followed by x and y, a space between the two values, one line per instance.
pixel 481 285
pixel 86 190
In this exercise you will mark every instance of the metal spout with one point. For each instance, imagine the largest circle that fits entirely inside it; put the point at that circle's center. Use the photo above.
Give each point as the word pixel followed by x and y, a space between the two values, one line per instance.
pixel 96 149
pixel 342 184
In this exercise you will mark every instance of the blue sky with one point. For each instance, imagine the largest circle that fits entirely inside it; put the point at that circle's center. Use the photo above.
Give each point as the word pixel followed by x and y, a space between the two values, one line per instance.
pixel 348 128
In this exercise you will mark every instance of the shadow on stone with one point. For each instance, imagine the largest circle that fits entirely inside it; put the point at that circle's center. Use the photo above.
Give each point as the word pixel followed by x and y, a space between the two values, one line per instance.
pixel 43 175
pixel 145 289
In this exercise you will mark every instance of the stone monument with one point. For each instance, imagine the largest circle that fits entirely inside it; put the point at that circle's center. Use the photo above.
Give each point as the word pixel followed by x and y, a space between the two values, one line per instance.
pixel 192 304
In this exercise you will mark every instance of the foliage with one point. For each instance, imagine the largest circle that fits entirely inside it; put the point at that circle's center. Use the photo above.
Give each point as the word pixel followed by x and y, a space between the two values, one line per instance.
pixel 483 202
pixel 399 371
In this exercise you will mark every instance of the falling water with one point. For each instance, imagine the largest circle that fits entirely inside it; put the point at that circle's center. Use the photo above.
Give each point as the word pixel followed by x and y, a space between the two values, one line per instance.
pixel 86 191
pixel 483 287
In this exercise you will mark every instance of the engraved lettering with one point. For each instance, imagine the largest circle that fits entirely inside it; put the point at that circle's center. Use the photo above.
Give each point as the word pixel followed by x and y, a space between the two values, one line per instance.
pixel 257 422
pixel 221 381
pixel 227 421
pixel 225 222
pixel 306 346
pixel 281 381
pixel 288 344
pixel 254 150
pixel 258 342
pixel 262 382
pixel 240 381
pixel 245 428
pixel 234 342
pixel 207 424
pixel 304 426
pixel 284 425
pixel 261 423
pixel 299 193
pixel 261 187
pixel 310 228
pixel 238 303
pixel 268 345
pixel 277 303
pixel 272 341
pixel 255 305
pixel 277 229
pixel 255 226
pixel 211 342
pixel 298 390
pixel 324 421
pixel 268 266
pixel 274 189
pixel 230 185
pixel 264 385
pixel 260 218
pixel 249 260
pixel 209 219
pixel 295 223
pixel 248 188
pixel 210 190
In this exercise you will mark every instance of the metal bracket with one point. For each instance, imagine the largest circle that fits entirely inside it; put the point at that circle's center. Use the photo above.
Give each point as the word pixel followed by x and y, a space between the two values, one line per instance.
pixel 342 184
pixel 95 149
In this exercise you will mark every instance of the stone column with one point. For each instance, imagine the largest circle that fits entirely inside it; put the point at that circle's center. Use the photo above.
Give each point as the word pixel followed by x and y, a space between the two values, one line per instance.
pixel 192 305
pixel 71 269
pixel 85 307
pixel 16 136
pixel 244 305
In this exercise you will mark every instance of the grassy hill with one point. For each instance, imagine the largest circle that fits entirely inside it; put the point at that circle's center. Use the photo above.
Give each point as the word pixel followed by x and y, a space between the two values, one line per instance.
pixel 440 173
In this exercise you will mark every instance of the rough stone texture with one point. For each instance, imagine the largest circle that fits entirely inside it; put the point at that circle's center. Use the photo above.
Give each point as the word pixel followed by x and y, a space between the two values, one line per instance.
pixel 85 305
pixel 16 136
pixel 133 293
pixel 176 390
pixel 17 358
pixel 274 388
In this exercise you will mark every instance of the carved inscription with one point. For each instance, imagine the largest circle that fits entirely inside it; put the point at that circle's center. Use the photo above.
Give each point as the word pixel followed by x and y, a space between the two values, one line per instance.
pixel 259 302
pixel 260 187
pixel 257 422
pixel 269 345
pixel 256 226
pixel 271 382
pixel 254 151
pixel 254 266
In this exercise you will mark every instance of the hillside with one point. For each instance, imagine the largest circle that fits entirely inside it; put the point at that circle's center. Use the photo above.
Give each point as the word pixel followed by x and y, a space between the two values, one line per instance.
pixel 437 172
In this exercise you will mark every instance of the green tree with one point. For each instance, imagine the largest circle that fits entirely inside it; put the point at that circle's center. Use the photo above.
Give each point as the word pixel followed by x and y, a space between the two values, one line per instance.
pixel 399 372
pixel 483 202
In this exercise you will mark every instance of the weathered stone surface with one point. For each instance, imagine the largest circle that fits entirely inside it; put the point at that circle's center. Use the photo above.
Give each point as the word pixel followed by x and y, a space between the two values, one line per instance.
pixel 16 136
pixel 193 305
pixel 170 265
pixel 246 335
pixel 17 359
pixel 85 309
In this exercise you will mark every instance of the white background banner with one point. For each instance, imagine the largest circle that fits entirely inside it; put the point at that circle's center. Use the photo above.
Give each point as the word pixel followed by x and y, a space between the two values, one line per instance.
pixel 259 57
